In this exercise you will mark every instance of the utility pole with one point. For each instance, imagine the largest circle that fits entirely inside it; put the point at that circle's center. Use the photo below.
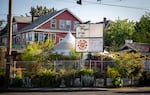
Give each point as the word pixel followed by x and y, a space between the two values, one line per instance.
pixel 9 47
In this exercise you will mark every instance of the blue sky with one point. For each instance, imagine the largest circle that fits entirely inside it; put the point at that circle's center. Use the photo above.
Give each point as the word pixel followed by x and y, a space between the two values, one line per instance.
pixel 89 10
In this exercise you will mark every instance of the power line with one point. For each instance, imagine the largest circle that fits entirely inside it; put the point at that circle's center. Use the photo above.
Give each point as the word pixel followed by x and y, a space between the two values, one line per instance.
pixel 100 2
pixel 125 6
pixel 114 5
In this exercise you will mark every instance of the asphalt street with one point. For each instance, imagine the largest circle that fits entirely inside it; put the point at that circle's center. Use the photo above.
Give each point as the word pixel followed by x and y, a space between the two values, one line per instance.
pixel 78 91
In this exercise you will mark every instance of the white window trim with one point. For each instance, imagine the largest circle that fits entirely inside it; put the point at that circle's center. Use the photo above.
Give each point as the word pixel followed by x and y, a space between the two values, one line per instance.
pixel 68 24
pixel 53 23
pixel 75 24
pixel 60 24
pixel 50 36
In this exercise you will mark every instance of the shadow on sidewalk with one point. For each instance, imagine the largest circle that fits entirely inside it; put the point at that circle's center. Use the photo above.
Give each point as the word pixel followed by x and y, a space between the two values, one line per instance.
pixel 134 92
pixel 50 90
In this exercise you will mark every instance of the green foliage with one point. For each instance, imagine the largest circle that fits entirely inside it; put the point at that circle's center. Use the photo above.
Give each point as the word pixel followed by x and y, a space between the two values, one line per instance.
pixel 46 78
pixel 74 55
pixel 112 72
pixel 2 60
pixel 119 29
pixel 36 55
pixel 85 72
pixel 16 82
pixel 69 77
pixel 2 24
pixel 99 74
pixel 38 51
pixel 40 11
pixel 142 33
pixel 31 51
pixel 128 64
pixel 117 82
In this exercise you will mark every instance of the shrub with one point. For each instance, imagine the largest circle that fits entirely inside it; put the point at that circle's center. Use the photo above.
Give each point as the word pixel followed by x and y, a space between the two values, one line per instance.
pixel 98 74
pixel 112 72
pixel 117 82
pixel 85 72
pixel 145 79
pixel 45 78
pixel 17 82
pixel 129 64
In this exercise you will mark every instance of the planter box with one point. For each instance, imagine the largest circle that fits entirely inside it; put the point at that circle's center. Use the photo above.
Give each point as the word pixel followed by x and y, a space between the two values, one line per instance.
pixel 126 81
pixel 109 82
pixel 99 82
pixel 77 82
pixel 136 81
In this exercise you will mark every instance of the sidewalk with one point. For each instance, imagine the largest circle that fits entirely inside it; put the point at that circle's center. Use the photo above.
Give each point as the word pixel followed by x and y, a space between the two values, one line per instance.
pixel 123 89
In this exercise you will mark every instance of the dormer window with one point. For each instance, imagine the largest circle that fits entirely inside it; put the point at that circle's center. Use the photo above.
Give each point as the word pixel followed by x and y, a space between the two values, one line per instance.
pixel 53 23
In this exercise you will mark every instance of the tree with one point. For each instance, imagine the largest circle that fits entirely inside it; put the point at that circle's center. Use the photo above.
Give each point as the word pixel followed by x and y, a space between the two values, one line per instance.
pixel 74 55
pixel 1 24
pixel 2 60
pixel 117 32
pixel 142 28
pixel 40 11
pixel 36 54
pixel 128 64
pixel 37 51
pixel 3 27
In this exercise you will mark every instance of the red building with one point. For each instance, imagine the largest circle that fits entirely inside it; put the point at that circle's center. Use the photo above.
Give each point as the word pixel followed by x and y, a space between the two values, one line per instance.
pixel 55 26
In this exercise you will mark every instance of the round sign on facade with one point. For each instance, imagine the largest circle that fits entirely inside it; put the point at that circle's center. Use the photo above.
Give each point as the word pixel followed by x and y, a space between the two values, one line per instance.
pixel 82 44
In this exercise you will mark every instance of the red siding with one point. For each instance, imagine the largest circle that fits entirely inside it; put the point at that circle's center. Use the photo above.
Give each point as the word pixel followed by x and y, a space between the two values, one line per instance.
pixel 22 25
pixel 59 36
pixel 66 15
pixel 63 16
pixel 46 25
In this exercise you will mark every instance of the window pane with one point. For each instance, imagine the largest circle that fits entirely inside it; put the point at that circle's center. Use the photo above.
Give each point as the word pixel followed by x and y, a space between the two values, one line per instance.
pixel 75 24
pixel 45 37
pixel 52 37
pixel 36 36
pixel 68 24
pixel 40 37
pixel 53 23
pixel 62 24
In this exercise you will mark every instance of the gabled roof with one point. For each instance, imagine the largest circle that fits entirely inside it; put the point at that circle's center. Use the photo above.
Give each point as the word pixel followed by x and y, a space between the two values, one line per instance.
pixel 43 19
pixel 143 48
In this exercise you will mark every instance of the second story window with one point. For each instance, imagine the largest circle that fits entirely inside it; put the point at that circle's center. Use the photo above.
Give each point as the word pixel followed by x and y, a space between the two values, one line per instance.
pixel 68 24
pixel 53 23
pixel 15 27
pixel 61 24
pixel 75 24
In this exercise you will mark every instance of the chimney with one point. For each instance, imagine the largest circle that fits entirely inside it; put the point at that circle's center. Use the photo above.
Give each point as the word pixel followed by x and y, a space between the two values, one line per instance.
pixel 104 20
pixel 32 17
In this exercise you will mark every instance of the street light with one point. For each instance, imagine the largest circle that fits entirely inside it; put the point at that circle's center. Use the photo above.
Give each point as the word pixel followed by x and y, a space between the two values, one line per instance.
pixel 79 2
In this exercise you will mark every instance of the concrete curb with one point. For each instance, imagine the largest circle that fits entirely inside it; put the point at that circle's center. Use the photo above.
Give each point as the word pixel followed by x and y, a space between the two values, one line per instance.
pixel 50 89
pixel 123 89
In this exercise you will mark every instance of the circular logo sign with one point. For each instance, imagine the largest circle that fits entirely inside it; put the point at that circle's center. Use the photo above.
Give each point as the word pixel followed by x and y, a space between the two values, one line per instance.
pixel 82 44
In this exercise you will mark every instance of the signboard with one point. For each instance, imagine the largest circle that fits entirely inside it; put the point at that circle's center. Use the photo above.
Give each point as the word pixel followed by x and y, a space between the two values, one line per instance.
pixel 89 44
pixel 89 30
pixel 89 38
